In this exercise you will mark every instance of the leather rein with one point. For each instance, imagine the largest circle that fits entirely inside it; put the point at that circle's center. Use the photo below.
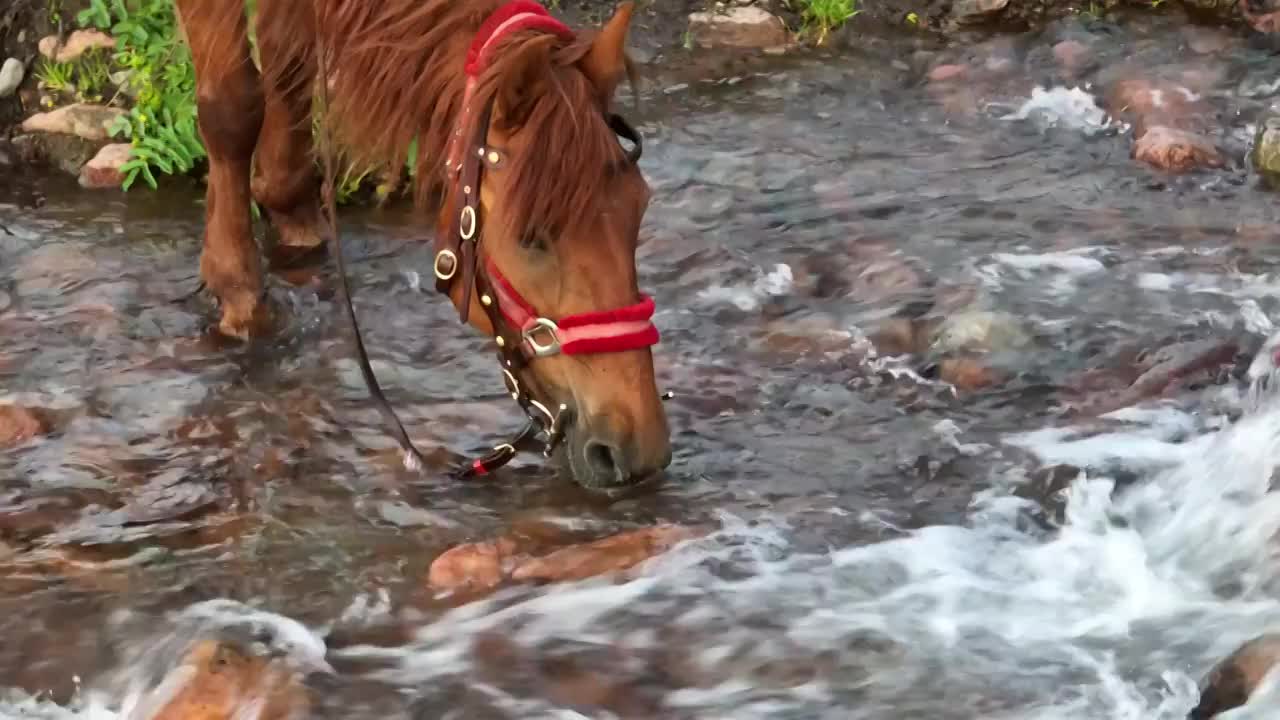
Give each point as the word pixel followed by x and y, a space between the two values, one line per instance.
pixel 520 332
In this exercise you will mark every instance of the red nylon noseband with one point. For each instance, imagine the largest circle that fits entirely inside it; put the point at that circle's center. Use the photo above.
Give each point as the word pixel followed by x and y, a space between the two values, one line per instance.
pixel 618 330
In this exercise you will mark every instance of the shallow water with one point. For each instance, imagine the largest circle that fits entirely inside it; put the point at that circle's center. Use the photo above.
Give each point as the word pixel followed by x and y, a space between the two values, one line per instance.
pixel 872 560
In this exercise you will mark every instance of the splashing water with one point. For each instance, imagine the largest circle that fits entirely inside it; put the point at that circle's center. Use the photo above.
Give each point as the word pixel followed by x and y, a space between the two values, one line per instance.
pixel 1072 108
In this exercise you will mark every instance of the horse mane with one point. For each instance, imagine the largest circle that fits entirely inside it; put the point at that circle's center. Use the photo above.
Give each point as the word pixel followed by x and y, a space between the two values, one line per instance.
pixel 396 76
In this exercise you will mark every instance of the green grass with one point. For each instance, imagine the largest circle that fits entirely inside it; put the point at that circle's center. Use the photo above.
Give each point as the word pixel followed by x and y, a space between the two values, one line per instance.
pixel 820 17
pixel 56 76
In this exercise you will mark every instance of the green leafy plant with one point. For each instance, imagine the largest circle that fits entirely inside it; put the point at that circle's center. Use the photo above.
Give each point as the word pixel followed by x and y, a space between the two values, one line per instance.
pixel 823 16
pixel 161 126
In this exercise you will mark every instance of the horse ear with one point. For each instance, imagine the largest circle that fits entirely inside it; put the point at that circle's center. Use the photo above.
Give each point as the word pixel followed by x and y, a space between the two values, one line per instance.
pixel 606 62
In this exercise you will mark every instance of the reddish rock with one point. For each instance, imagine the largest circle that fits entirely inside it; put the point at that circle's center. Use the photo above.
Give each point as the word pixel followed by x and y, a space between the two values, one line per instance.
pixel 1230 683
pixel 225 684
pixel 617 552
pixel 485 565
pixel 1139 96
pixel 77 44
pixel 951 71
pixel 19 424
pixel 103 171
pixel 91 122
pixel 966 373
pixel 474 566
pixel 1176 150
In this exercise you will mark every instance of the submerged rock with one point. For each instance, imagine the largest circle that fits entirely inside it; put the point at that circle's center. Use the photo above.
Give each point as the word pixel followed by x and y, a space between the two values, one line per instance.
pixel 950 71
pixel 738 27
pixel 219 682
pixel 617 552
pixel 1230 683
pixel 1266 148
pixel 11 74
pixel 1262 15
pixel 103 171
pixel 487 564
pixel 77 44
pixel 1176 150
pixel 980 331
pixel 1073 56
pixel 19 424
pixel 91 122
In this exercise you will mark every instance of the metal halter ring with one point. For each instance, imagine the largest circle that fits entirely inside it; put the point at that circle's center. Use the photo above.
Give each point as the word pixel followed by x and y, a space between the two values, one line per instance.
pixel 550 419
pixel 453 265
pixel 540 350
pixel 467 223
pixel 513 385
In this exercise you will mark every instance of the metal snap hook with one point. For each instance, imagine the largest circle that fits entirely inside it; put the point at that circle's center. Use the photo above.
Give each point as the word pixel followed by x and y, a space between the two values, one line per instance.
pixel 542 349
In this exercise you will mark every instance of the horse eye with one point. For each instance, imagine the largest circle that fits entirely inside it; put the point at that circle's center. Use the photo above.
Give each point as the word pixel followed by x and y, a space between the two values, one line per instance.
pixel 534 239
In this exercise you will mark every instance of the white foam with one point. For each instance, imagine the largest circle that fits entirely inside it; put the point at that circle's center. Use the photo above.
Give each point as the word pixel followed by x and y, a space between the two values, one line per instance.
pixel 1059 106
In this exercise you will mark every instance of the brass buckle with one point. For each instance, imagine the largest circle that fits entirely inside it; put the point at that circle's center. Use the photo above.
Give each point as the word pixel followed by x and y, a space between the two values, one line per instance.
pixel 540 349
pixel 453 265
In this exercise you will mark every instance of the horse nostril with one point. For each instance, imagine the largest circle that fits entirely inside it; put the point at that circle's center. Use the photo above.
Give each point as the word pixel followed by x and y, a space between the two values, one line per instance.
pixel 604 460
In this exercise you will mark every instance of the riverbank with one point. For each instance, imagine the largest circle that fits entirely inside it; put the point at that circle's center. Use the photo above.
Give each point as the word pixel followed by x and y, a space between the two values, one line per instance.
pixel 69 98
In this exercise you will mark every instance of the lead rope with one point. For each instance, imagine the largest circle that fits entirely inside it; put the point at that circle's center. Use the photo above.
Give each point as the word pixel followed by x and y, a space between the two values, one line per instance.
pixel 412 458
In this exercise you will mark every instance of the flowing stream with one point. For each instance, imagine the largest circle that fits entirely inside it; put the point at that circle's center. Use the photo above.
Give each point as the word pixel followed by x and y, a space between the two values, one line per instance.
pixel 878 554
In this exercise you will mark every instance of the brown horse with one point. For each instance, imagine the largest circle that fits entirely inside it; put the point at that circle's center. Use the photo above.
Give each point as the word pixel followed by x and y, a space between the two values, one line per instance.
pixel 511 114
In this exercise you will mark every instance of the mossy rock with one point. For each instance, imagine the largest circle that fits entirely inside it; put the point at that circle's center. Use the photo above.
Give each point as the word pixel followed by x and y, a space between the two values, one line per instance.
pixel 1266 150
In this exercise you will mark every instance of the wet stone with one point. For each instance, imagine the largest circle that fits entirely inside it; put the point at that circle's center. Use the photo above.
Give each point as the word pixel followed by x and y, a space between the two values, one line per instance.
pixel 1266 148
pixel 487 564
pixel 748 27
pixel 11 74
pixel 1232 681
pixel 19 424
pixel 1176 151
pixel 223 683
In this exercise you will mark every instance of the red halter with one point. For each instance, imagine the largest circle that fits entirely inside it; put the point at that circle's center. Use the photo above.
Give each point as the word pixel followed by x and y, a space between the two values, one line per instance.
pixel 618 330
